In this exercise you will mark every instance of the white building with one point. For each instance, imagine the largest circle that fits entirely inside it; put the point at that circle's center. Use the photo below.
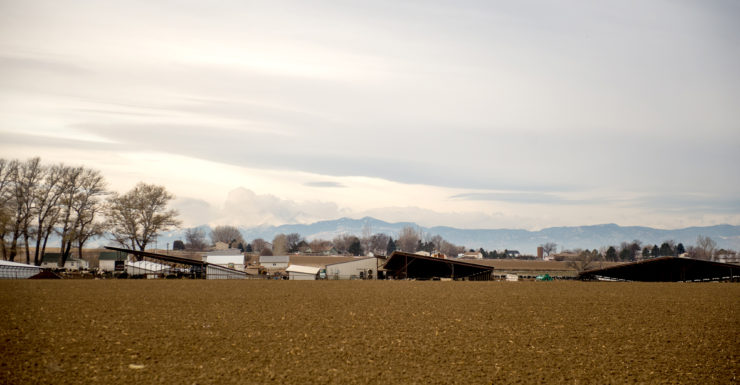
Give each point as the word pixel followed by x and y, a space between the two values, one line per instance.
pixel 150 269
pixel 51 261
pixel 231 258
pixel 363 268
pixel 274 262
pixel 302 273
pixel 471 255
pixel 15 270
pixel 109 260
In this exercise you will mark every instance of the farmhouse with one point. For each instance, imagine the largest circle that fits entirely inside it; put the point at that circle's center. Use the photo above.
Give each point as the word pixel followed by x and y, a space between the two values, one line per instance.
pixel 667 269
pixel 15 270
pixel 111 261
pixel 51 261
pixel 276 262
pixel 363 268
pixel 471 255
pixel 302 273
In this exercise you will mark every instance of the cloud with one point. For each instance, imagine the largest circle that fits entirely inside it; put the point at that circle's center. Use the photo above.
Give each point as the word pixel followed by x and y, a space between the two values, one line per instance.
pixel 524 197
pixel 324 184
pixel 243 207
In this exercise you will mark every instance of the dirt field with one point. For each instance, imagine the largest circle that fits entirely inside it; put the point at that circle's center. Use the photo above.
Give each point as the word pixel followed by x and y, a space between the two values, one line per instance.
pixel 127 332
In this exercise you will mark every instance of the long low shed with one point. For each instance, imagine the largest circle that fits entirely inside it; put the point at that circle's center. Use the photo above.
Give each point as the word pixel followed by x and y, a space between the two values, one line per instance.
pixel 15 270
pixel 667 269
pixel 402 265
pixel 200 269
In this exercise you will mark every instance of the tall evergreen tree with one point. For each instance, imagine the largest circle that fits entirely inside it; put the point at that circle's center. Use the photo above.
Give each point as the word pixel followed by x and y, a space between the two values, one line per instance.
pixel 391 246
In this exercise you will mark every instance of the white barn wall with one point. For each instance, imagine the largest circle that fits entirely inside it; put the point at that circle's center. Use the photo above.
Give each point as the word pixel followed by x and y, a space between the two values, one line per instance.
pixel 352 269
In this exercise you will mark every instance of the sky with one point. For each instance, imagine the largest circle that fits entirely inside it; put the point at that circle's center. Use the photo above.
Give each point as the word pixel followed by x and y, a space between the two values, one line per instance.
pixel 473 114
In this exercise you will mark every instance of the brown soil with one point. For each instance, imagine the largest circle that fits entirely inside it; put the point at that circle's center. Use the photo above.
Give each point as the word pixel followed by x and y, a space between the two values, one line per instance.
pixel 300 332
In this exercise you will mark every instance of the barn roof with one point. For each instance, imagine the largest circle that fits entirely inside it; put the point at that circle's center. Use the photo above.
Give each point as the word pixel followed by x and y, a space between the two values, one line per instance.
pixel 407 265
pixel 161 257
pixel 4 263
pixel 667 269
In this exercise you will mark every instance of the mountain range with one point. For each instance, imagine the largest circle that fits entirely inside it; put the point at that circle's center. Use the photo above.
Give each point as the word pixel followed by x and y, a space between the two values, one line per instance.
pixel 591 237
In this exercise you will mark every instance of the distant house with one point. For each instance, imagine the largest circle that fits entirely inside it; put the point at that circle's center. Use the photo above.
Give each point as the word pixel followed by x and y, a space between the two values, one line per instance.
pixel 221 246
pixel 51 261
pixel 302 273
pixel 229 258
pixel 471 255
pixel 512 254
pixel 274 262
pixel 304 248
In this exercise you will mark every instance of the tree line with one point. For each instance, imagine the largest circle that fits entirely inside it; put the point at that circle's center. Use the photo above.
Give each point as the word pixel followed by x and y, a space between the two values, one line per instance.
pixel 409 239
pixel 73 204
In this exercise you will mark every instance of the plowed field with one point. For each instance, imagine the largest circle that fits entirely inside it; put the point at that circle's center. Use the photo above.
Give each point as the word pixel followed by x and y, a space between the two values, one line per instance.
pixel 185 332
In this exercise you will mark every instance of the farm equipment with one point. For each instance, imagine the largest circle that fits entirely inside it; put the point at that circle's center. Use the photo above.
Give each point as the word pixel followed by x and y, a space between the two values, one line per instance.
pixel 545 277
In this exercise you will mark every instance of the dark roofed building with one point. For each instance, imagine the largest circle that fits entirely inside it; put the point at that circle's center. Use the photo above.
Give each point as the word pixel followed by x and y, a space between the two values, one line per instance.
pixel 667 269
pixel 402 265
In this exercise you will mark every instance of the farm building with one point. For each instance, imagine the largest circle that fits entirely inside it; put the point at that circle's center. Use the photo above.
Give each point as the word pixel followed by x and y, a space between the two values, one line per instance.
pixel 302 273
pixel 222 272
pixel 274 262
pixel 363 268
pixel 230 258
pixel 179 266
pixel 51 261
pixel 471 255
pixel 667 269
pixel 402 265
pixel 15 270
pixel 149 269
pixel 111 261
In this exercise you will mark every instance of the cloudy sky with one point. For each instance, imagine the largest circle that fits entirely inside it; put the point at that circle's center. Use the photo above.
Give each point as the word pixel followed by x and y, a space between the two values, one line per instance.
pixel 474 114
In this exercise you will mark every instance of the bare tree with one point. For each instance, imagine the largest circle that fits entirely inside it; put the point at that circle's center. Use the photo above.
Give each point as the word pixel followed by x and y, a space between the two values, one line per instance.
pixel 408 239
pixel 258 245
pixel 320 245
pixel 705 248
pixel 227 234
pixel 549 247
pixel 378 244
pixel 195 239
pixel 293 240
pixel 87 206
pixel 366 237
pixel 450 249
pixel 47 208
pixel 137 217
pixel 8 175
pixel 586 260
pixel 280 244
pixel 25 182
